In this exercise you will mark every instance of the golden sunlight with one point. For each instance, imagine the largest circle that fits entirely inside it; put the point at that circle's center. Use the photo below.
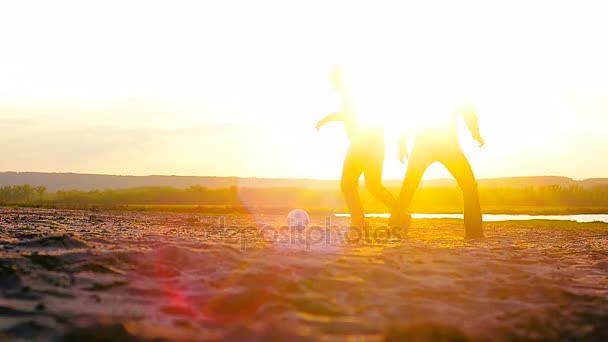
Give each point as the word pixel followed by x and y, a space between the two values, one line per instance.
pixel 303 170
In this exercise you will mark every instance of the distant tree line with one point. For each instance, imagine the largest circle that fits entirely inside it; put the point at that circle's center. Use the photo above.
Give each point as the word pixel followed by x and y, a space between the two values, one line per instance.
pixel 554 195
pixel 425 198
pixel 195 195
pixel 22 193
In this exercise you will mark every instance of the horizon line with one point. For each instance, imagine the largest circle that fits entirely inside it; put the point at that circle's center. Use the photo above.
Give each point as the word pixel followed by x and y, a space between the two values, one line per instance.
pixel 279 178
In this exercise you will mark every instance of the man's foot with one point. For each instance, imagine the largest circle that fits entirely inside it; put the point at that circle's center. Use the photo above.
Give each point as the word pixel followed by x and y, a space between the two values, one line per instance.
pixel 400 225
pixel 402 221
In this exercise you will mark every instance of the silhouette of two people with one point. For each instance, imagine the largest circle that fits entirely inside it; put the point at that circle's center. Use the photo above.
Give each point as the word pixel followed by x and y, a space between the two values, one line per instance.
pixel 435 140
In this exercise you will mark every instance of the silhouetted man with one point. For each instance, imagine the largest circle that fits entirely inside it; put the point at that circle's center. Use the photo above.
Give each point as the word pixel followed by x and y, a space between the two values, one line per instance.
pixel 436 139
pixel 365 155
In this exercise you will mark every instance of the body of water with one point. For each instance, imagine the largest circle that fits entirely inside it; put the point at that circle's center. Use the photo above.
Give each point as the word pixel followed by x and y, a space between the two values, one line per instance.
pixel 500 217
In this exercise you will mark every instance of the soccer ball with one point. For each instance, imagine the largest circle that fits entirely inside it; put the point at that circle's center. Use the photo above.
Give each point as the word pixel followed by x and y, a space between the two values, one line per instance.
pixel 298 218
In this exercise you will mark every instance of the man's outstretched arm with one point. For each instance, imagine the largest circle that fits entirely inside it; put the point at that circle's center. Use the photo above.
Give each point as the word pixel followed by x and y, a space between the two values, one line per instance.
pixel 469 113
pixel 335 116
pixel 403 147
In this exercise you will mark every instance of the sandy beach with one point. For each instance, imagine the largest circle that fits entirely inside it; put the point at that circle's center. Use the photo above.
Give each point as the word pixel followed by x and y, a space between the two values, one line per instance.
pixel 80 275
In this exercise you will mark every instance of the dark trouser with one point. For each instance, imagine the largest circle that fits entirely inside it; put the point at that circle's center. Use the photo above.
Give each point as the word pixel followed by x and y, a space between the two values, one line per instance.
pixel 451 156
pixel 365 156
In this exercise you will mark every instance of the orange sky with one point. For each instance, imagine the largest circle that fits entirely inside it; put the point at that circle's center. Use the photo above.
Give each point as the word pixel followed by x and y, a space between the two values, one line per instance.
pixel 234 88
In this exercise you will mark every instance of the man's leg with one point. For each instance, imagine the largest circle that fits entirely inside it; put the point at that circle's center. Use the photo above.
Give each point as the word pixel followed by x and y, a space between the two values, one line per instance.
pixel 372 170
pixel 419 161
pixel 458 165
pixel 350 182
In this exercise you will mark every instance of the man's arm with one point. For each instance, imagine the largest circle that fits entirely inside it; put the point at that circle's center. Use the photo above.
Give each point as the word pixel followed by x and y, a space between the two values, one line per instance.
pixel 469 114
pixel 403 147
pixel 335 116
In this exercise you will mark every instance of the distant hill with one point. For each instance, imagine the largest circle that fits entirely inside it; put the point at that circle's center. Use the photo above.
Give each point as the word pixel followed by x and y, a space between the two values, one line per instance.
pixel 587 183
pixel 517 182
pixel 75 181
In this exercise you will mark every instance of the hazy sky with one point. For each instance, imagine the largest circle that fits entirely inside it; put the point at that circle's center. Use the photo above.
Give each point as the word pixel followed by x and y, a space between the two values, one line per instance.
pixel 234 88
